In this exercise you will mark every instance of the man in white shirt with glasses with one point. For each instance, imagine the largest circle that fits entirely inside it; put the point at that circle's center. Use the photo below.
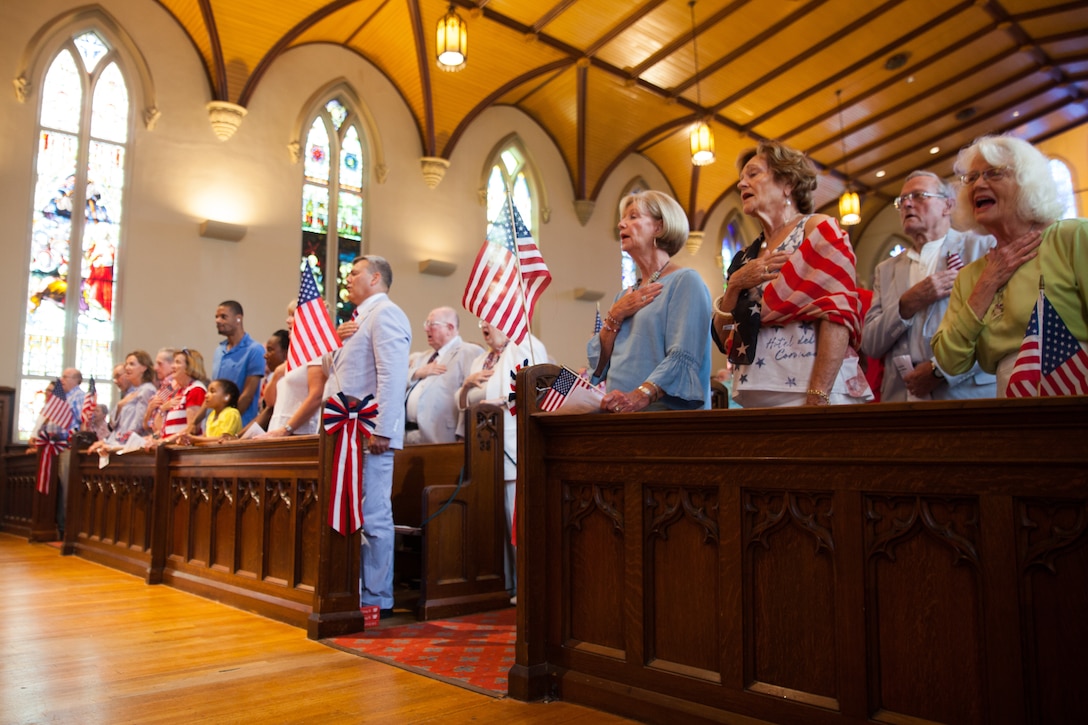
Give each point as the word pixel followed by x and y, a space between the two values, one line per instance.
pixel 910 296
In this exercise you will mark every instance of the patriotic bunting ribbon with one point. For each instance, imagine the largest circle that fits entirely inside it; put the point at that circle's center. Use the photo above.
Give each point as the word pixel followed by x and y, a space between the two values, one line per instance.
pixel 350 420
pixel 48 450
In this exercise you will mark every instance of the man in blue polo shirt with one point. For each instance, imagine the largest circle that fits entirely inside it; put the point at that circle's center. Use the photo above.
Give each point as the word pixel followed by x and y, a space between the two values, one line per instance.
pixel 239 358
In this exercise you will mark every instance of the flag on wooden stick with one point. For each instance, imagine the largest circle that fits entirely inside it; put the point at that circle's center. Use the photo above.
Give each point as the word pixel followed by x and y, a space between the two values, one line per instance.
pixel 57 408
pixel 508 277
pixel 90 402
pixel 313 334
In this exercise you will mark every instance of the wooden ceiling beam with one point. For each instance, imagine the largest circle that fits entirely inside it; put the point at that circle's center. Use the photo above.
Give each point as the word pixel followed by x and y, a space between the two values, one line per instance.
pixel 936 57
pixel 784 67
pixel 861 63
pixel 669 48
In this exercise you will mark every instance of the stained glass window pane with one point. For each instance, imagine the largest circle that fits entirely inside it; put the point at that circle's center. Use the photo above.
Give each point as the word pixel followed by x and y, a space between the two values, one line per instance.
pixel 91 49
pixel 105 180
pixel 109 114
pixel 510 161
pixel 351 161
pixel 47 286
pixel 496 193
pixel 62 94
pixel 350 216
pixel 337 113
pixel 315 208
pixel 317 153
pixel 523 200
pixel 347 250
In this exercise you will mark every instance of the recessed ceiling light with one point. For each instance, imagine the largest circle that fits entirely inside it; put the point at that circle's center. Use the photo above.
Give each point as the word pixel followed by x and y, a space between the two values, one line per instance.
pixel 966 114
pixel 910 79
pixel 896 61
pixel 935 150
pixel 880 174
pixel 1016 114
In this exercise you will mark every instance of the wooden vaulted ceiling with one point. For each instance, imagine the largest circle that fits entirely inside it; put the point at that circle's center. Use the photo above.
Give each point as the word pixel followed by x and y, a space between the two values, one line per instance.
pixel 608 78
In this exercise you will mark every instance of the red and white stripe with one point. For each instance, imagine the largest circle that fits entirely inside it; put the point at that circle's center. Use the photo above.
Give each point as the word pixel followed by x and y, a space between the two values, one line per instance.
pixel 817 283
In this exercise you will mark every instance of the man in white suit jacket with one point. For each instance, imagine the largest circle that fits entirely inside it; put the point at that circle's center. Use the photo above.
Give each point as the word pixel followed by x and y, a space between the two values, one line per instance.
pixel 431 412
pixel 910 296
pixel 374 361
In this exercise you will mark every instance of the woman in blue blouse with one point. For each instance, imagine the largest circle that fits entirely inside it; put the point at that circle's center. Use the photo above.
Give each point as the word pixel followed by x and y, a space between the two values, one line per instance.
pixel 653 350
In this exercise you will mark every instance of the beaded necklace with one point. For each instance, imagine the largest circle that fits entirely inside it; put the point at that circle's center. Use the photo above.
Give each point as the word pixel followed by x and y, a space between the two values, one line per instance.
pixel 655 275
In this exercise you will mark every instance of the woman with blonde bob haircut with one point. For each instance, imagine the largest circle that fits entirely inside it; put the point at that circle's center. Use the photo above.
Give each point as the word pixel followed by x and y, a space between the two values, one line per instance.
pixel 653 349
pixel 1007 191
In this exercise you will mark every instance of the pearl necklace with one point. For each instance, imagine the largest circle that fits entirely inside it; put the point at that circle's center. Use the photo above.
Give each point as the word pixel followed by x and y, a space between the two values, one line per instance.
pixel 654 277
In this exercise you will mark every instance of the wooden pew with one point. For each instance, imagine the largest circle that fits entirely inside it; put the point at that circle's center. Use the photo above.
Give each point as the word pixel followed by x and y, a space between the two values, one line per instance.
pixel 246 524
pixel 465 527
pixel 23 511
pixel 914 562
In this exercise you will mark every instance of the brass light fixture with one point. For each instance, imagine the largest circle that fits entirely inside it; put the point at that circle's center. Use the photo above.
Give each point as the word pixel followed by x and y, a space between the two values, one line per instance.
pixel 451 46
pixel 849 203
pixel 701 137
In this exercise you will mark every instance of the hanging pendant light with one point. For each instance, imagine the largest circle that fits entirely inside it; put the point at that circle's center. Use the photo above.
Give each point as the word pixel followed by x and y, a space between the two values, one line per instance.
pixel 849 203
pixel 451 44
pixel 701 135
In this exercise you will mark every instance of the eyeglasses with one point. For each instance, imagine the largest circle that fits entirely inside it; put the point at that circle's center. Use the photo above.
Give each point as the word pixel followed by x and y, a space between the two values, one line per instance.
pixel 915 197
pixel 427 324
pixel 996 173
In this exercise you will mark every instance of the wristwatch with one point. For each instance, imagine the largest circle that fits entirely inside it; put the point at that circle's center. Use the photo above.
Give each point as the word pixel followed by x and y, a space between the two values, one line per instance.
pixel 288 429
pixel 936 370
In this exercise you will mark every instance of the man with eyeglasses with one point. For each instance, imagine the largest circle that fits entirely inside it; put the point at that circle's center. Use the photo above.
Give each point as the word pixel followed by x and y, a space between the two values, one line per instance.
pixel 910 296
pixel 430 402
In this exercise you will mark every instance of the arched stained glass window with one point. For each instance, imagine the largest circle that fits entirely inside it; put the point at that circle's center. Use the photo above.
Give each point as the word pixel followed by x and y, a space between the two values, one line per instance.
pixel 333 196
pixel 1063 179
pixel 83 131
pixel 509 176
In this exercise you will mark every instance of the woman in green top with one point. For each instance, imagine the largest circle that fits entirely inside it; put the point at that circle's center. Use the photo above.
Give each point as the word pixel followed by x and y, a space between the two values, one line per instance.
pixel 1008 190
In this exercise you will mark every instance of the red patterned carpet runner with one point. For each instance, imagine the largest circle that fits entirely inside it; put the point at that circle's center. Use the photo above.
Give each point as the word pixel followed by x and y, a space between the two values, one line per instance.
pixel 474 652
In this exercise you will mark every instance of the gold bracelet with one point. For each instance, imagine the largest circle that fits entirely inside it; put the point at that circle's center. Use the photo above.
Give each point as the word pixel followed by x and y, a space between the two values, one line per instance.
pixel 647 391
pixel 821 394
pixel 718 308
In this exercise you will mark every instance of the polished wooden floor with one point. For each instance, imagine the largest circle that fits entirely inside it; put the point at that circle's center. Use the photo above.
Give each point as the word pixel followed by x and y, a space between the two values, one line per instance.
pixel 81 643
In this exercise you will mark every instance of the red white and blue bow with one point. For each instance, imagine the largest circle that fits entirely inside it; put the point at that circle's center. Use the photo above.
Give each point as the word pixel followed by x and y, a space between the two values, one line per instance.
pixel 48 450
pixel 350 420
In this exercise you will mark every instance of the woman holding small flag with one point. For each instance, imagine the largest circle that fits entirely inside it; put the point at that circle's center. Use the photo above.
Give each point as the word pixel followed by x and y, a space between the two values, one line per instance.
pixel 1019 311
pixel 653 350
pixel 790 318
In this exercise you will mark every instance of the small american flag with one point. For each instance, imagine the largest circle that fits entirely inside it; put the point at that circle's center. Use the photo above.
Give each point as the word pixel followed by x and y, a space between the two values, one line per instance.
pixel 954 262
pixel 57 408
pixel 567 384
pixel 1051 361
pixel 508 277
pixel 597 322
pixel 90 402
pixel 313 334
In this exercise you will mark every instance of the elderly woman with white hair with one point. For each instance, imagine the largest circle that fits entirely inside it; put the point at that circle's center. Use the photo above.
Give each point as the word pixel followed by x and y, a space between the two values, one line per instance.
pixel 1008 190
pixel 653 349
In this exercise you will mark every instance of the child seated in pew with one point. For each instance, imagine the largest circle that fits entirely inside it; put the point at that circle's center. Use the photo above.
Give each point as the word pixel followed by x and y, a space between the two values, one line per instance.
pixel 224 421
